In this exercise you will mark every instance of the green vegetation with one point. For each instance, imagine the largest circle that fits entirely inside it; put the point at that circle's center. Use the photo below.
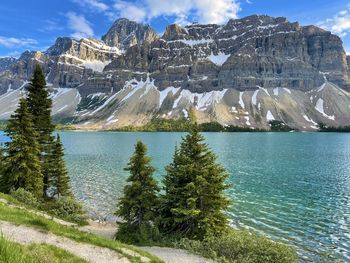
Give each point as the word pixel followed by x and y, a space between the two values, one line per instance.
pixel 183 125
pixel 64 127
pixel 3 124
pixel 325 128
pixel 160 124
pixel 11 252
pixel 240 246
pixel 279 126
pixel 32 167
pixel 24 217
pixel 194 201
pixel 22 164
pixel 39 106
pixel 25 197
pixel 58 174
pixel 139 203
pixel 191 211
pixel 65 207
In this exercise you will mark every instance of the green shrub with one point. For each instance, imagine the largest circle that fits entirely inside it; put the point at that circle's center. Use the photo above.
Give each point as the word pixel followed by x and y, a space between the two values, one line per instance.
pixel 25 197
pixel 67 208
pixel 279 126
pixel 240 246
pixel 147 235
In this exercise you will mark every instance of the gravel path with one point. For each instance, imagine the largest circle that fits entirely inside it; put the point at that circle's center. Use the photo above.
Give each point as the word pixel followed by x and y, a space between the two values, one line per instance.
pixel 25 235
pixel 172 255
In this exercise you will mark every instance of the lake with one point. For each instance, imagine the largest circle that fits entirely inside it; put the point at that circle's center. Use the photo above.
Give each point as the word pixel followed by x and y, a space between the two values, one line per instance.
pixel 293 187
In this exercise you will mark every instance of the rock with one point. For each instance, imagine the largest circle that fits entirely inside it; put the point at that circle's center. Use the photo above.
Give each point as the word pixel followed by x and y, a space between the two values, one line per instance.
pixel 6 62
pixel 214 66
pixel 125 33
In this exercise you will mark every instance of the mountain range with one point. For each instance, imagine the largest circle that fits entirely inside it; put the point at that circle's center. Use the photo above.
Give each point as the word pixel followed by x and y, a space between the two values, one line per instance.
pixel 245 73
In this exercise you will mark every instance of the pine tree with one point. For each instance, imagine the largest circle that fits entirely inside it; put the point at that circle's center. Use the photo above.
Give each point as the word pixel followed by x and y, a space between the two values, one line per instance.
pixel 139 203
pixel 194 201
pixel 22 168
pixel 2 166
pixel 40 104
pixel 59 178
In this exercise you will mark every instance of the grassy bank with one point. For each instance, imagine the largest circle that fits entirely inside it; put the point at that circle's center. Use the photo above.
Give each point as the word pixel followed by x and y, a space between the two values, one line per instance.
pixel 235 246
pixel 11 252
pixel 24 217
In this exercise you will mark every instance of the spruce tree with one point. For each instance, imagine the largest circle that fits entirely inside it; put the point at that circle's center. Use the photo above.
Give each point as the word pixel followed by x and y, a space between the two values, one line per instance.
pixel 40 104
pixel 194 201
pixel 22 168
pixel 2 166
pixel 139 203
pixel 59 178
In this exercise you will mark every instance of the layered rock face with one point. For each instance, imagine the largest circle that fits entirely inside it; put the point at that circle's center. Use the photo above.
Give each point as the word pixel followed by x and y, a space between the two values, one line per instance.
pixel 125 33
pixel 246 72
pixel 6 62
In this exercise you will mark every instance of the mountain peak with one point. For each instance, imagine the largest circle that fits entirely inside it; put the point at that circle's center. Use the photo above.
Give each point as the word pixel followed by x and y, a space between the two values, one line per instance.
pixel 125 33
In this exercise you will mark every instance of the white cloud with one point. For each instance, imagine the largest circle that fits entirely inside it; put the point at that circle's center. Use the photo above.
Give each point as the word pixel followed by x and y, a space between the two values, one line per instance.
pixel 10 42
pixel 129 10
pixel 339 24
pixel 94 5
pixel 80 26
pixel 51 25
pixel 184 11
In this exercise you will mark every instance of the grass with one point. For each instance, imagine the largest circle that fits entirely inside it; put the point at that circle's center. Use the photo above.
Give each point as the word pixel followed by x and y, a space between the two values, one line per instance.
pixel 233 246
pixel 11 252
pixel 43 207
pixel 240 246
pixel 23 217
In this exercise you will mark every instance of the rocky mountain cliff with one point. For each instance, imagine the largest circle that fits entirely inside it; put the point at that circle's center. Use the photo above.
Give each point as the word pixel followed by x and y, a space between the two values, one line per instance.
pixel 246 73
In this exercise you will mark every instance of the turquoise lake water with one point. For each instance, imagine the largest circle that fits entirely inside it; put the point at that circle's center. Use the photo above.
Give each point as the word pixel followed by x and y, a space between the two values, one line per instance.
pixel 293 187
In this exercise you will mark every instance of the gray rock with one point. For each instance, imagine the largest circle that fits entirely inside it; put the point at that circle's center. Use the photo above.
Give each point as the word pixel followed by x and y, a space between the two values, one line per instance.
pixel 242 56
pixel 125 33
pixel 6 62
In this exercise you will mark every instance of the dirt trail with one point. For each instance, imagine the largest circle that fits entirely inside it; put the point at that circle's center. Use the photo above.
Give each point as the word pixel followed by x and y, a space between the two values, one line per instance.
pixel 26 235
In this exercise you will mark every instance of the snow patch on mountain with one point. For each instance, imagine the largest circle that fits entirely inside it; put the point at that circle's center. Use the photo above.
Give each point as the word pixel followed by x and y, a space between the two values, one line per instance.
pixel 164 93
pixel 218 59
pixel 241 102
pixel 320 109
pixel 95 65
pixel 269 116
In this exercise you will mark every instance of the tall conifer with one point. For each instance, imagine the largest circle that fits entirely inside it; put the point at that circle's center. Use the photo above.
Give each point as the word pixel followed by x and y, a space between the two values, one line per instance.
pixel 2 165
pixel 139 203
pixel 194 201
pixel 22 168
pixel 40 104
pixel 59 178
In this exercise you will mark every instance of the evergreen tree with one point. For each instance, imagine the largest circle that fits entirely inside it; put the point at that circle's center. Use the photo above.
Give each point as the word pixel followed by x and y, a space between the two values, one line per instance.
pixel 194 201
pixel 2 165
pixel 138 205
pixel 22 168
pixel 40 104
pixel 59 178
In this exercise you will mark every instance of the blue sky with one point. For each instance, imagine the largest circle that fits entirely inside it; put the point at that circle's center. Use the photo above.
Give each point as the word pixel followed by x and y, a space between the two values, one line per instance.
pixel 35 24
